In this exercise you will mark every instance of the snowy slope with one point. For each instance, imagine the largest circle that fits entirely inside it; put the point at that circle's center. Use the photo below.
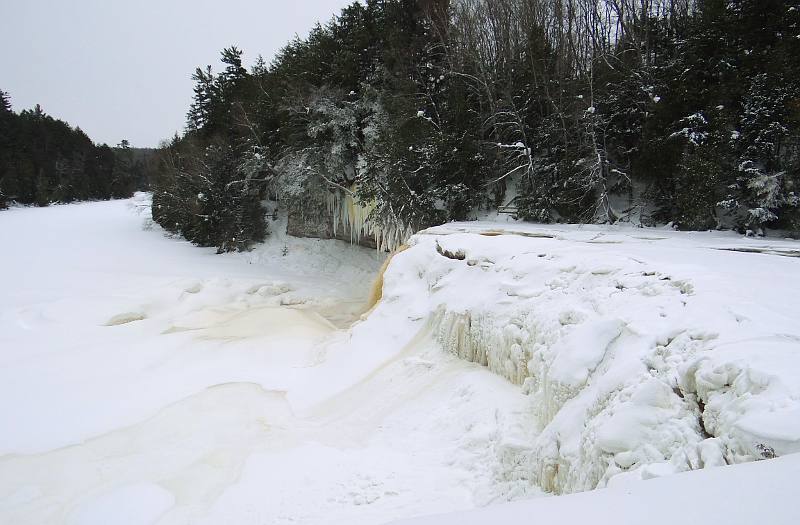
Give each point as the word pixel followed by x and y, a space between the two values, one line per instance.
pixel 737 495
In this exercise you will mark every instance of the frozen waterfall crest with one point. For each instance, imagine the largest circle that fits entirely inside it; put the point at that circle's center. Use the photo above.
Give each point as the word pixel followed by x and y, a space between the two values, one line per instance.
pixel 624 379
pixel 376 291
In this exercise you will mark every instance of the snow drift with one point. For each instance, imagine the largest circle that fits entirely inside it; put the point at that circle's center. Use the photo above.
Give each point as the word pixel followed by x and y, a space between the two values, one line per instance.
pixel 733 496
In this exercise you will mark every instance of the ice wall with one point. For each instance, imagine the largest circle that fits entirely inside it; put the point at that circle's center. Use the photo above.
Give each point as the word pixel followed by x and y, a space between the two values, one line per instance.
pixel 631 372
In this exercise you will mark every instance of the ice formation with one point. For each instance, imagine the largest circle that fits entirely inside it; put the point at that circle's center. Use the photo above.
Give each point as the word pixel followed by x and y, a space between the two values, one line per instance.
pixel 357 218
pixel 630 371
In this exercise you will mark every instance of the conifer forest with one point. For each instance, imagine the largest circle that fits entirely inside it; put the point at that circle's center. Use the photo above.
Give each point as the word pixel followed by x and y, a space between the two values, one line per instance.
pixel 418 112
pixel 651 111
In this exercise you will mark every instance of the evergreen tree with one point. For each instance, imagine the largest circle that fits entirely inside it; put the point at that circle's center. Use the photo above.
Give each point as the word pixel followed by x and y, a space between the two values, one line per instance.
pixel 5 102
pixel 44 160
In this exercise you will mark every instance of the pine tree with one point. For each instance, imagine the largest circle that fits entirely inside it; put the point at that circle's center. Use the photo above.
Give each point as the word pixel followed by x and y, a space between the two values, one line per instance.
pixel 5 102
pixel 201 109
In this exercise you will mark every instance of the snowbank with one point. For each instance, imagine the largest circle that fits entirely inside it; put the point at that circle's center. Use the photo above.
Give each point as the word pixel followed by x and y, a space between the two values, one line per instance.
pixel 643 352
pixel 740 495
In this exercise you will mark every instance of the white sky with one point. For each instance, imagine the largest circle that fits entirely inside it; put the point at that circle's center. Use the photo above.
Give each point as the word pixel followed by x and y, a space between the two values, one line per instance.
pixel 121 69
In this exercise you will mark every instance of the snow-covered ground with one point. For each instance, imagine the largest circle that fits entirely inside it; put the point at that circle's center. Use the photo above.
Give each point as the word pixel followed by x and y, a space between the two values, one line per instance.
pixel 144 380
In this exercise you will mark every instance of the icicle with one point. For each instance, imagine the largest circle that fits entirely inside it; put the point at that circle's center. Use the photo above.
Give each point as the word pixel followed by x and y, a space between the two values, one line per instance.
pixel 354 217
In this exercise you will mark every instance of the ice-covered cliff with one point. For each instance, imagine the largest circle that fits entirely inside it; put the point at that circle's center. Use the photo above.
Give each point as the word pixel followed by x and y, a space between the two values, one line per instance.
pixel 643 353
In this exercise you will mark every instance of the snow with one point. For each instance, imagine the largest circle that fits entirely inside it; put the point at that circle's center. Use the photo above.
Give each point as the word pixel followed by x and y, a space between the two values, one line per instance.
pixel 148 380
pixel 145 376
pixel 737 495
pixel 131 505
pixel 643 352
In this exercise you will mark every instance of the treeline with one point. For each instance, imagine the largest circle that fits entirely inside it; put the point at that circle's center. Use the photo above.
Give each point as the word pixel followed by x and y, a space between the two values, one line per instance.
pixel 423 111
pixel 43 160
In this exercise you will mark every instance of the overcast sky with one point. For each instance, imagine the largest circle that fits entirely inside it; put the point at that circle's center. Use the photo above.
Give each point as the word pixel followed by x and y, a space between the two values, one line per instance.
pixel 121 69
